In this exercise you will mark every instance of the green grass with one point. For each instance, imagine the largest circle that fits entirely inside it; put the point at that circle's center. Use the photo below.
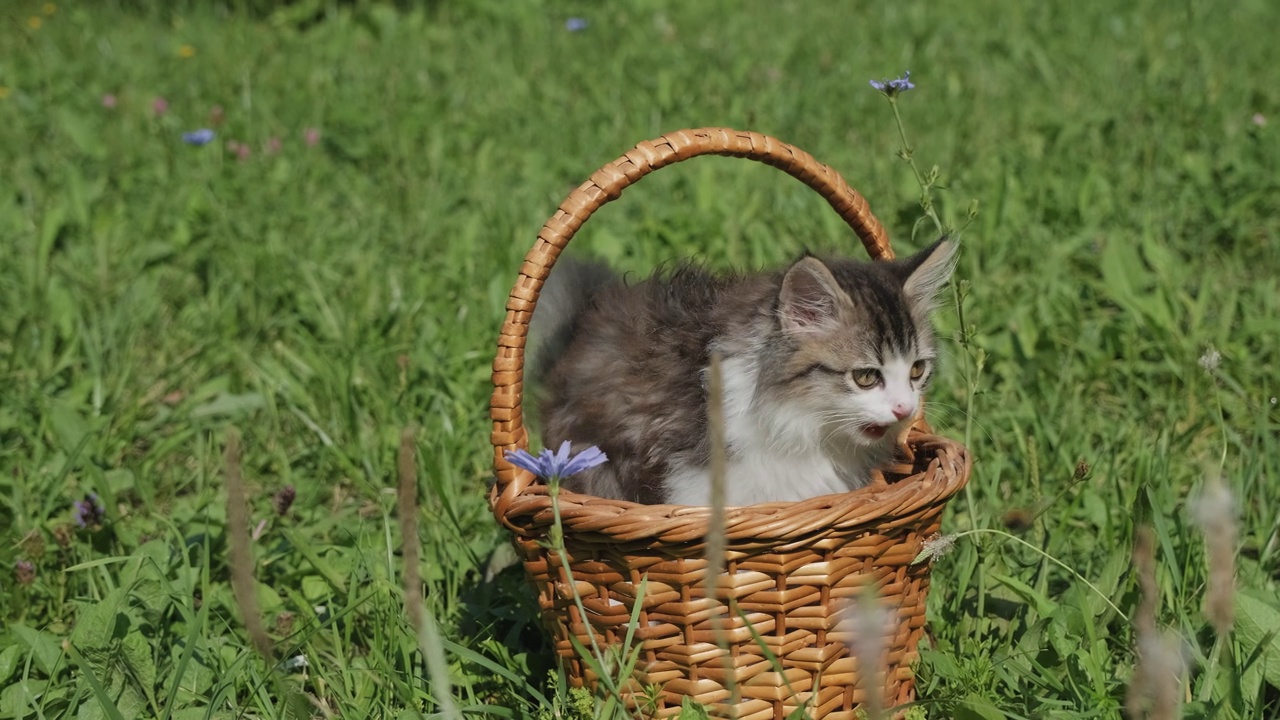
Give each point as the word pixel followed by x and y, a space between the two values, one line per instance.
pixel 153 294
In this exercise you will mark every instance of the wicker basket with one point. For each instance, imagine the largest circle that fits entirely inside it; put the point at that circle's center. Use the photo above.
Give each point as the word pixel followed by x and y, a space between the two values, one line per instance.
pixel 790 567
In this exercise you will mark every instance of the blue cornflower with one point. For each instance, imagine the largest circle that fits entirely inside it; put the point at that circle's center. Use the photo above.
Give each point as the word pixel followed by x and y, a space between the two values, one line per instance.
pixel 89 511
pixel 557 465
pixel 575 24
pixel 203 136
pixel 896 85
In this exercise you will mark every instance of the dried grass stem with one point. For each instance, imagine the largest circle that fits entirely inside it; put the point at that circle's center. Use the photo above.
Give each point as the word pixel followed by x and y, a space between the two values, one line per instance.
pixel 241 554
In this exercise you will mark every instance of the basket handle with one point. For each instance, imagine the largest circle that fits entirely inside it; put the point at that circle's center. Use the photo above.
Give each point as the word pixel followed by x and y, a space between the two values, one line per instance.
pixel 605 185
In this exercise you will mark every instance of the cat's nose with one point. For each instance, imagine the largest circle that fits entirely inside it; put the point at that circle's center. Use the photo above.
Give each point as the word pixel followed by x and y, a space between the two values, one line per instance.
pixel 902 410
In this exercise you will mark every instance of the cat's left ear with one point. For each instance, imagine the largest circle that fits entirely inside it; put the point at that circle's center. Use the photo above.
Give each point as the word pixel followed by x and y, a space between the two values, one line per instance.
pixel 925 273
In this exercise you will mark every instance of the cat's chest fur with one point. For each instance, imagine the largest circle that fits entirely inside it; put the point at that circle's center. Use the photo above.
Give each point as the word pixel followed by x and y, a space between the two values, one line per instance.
pixel 757 476
pixel 772 457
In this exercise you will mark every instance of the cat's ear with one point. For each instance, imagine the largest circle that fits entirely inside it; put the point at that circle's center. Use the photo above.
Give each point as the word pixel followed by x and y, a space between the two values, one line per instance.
pixel 925 273
pixel 809 300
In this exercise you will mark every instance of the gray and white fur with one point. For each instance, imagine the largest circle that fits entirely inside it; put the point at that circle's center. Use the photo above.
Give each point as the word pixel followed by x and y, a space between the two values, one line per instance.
pixel 824 364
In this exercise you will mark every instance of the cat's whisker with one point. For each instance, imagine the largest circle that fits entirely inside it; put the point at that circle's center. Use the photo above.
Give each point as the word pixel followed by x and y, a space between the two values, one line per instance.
pixel 943 404
pixel 945 414
pixel 932 404
pixel 848 426
pixel 837 417
pixel 832 433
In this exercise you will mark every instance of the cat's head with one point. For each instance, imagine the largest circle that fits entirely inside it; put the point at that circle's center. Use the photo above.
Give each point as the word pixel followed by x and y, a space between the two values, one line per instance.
pixel 861 350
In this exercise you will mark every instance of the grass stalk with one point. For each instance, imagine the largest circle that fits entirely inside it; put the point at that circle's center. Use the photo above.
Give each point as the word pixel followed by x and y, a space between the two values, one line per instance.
pixel 420 616
pixel 716 540
pixel 241 554
pixel 1047 556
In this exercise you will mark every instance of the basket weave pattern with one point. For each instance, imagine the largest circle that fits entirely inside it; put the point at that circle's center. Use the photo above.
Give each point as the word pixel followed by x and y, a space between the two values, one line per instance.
pixel 791 568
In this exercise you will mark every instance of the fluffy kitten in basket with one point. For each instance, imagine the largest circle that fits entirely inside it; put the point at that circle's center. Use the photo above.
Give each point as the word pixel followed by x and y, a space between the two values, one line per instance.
pixel 824 364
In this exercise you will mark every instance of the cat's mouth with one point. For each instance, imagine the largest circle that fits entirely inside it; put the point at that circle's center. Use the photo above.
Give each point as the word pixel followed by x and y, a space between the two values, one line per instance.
pixel 875 432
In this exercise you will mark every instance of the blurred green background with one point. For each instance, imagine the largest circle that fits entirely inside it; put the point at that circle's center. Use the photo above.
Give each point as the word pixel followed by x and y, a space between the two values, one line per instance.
pixel 333 265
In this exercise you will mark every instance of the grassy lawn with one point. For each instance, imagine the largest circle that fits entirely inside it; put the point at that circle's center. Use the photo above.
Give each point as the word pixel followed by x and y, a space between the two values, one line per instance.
pixel 333 266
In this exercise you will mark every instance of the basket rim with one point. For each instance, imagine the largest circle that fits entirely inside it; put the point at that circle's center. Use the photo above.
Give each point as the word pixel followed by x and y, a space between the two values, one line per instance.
pixel 947 472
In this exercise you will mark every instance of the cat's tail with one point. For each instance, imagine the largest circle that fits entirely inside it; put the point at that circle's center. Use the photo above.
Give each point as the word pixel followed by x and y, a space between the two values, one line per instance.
pixel 566 294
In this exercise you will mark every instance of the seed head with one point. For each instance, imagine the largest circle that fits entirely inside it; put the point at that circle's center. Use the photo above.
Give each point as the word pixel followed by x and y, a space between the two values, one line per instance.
pixel 871 626
pixel 1210 359
pixel 934 548
pixel 1082 471
pixel 1214 510
pixel 283 500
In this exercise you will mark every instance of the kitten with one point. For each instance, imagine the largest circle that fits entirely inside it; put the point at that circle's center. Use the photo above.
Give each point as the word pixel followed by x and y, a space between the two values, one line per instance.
pixel 824 364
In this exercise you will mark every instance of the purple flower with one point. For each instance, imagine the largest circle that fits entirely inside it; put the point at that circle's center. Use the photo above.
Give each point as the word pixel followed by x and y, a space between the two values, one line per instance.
pixel 89 511
pixel 575 24
pixel 895 86
pixel 159 106
pixel 109 101
pixel 311 136
pixel 557 465
pixel 203 136
pixel 242 151
pixel 24 572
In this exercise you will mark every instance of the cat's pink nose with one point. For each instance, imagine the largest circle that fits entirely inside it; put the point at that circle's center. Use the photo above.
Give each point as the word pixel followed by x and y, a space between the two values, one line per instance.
pixel 901 410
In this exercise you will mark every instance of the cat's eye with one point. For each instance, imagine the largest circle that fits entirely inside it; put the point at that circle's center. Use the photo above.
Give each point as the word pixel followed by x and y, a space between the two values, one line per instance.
pixel 865 377
pixel 918 369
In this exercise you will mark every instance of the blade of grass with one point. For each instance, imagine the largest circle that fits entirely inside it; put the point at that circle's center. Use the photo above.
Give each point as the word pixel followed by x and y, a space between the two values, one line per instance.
pixel 188 651
pixel 99 690
pixel 503 672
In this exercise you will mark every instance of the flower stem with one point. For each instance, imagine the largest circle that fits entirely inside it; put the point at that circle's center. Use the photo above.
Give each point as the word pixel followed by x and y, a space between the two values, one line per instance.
pixel 1222 425
pixel 926 201
pixel 971 366
pixel 557 544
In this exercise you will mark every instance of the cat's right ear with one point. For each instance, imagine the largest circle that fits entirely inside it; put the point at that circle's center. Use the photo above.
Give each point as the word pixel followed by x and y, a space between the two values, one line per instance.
pixel 809 300
pixel 926 272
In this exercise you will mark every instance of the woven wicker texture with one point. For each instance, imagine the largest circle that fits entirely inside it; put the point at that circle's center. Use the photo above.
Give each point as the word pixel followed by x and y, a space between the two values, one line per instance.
pixel 791 568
